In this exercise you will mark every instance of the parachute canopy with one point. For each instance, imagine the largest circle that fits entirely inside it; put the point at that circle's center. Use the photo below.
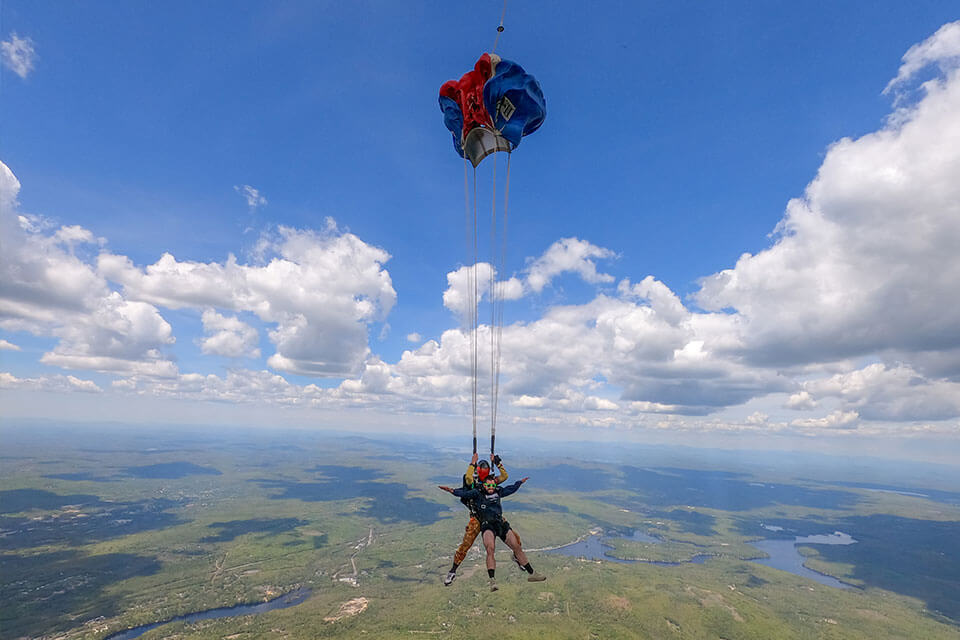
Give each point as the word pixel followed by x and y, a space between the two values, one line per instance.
pixel 490 108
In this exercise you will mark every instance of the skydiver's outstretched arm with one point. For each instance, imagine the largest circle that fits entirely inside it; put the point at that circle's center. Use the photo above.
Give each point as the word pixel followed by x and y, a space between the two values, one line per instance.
pixel 512 488
pixel 469 494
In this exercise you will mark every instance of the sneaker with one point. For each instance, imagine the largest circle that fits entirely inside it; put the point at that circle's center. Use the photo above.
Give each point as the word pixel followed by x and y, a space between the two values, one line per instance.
pixel 449 578
pixel 517 560
pixel 536 577
pixel 493 585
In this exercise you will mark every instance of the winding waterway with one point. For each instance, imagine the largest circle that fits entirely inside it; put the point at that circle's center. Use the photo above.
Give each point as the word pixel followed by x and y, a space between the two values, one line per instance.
pixel 595 546
pixel 783 553
pixel 784 556
pixel 285 601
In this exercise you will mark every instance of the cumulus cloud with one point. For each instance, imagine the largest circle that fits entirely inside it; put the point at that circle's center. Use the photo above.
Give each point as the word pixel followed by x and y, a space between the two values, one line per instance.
pixel 863 265
pixel 890 393
pixel 568 255
pixel 228 336
pixel 800 401
pixel 116 336
pixel 8 346
pixel 251 195
pixel 529 402
pixel 866 261
pixel 942 48
pixel 475 282
pixel 861 269
pixel 46 289
pixel 836 420
pixel 320 289
pixel 237 386
pixel 560 361
pixel 18 55
pixel 58 383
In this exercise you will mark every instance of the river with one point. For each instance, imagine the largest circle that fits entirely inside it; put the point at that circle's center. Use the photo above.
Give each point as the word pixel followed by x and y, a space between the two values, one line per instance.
pixel 285 601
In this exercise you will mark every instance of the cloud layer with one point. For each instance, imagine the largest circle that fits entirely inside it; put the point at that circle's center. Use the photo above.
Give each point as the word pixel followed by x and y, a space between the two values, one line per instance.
pixel 848 322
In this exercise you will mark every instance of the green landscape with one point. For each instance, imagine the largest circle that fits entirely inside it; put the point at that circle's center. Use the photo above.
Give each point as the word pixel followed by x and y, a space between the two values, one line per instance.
pixel 104 530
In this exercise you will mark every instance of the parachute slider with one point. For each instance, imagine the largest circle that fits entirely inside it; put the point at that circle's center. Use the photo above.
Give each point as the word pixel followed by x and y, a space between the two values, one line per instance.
pixel 481 142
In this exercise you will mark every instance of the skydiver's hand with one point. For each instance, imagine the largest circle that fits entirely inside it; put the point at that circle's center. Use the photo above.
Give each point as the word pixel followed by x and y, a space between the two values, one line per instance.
pixel 525 479
pixel 447 489
pixel 474 459
pixel 496 460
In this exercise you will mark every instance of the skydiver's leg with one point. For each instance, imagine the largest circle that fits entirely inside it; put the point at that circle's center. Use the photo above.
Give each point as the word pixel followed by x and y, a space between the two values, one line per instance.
pixel 469 535
pixel 514 543
pixel 514 556
pixel 489 542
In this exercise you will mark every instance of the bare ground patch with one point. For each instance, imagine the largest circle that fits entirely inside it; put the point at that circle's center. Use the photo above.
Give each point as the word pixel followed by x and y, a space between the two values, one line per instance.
pixel 349 608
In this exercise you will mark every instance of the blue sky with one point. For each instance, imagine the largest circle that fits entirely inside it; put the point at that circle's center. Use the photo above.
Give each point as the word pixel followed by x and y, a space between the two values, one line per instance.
pixel 676 136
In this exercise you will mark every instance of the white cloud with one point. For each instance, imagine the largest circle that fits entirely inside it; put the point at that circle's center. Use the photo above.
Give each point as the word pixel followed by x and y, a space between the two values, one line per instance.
pixel 800 401
pixel 600 404
pixel 836 420
pixel 865 265
pixel 73 235
pixel 890 393
pixel 57 383
pixel 866 262
pixel 529 402
pixel 556 363
pixel 659 297
pixel 237 386
pixel 251 195
pixel 230 337
pixel 568 255
pixel 943 47
pixel 48 290
pixel 118 336
pixel 8 346
pixel 862 268
pixel 321 289
pixel 18 55
pixel 469 283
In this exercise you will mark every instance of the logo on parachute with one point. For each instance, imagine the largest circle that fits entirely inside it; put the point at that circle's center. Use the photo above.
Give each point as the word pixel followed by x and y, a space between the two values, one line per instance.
pixel 505 108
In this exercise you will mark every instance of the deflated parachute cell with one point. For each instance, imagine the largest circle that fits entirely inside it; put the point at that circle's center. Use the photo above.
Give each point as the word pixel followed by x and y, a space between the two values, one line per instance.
pixel 491 107
pixel 452 118
pixel 514 101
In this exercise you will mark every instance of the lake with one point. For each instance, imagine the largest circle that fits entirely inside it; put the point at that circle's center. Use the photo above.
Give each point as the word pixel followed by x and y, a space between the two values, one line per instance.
pixel 595 546
pixel 784 556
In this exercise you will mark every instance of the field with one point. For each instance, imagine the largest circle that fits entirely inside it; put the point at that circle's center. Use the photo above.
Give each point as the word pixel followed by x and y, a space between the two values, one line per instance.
pixel 104 530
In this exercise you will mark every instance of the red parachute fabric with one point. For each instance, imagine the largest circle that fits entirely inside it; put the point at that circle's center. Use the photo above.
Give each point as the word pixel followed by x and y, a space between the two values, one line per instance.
pixel 468 93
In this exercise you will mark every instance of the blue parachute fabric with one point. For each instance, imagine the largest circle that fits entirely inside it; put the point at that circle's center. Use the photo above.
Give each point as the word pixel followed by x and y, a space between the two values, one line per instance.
pixel 526 108
pixel 453 120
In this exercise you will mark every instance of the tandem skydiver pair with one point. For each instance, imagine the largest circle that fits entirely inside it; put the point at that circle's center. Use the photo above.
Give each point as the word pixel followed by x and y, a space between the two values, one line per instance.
pixel 481 493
